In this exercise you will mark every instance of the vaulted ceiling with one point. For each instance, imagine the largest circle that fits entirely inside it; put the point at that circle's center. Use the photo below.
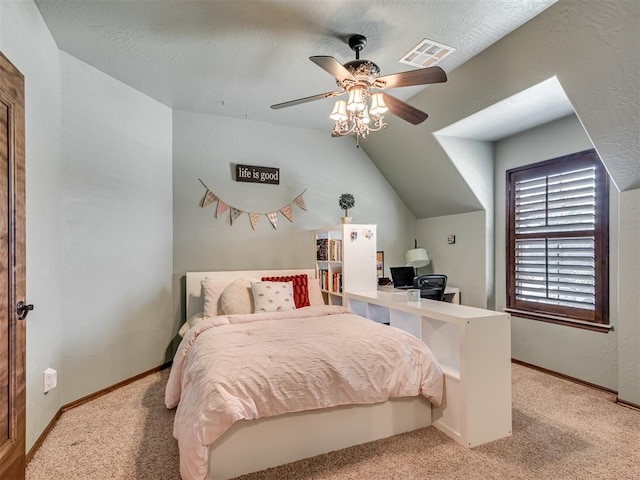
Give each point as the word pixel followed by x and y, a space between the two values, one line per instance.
pixel 236 58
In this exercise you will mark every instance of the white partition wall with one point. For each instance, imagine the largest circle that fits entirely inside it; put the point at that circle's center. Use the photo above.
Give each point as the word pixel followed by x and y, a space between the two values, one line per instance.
pixel 473 347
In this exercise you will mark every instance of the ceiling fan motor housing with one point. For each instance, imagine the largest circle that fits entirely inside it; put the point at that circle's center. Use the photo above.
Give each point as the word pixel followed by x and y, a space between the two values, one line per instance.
pixel 362 68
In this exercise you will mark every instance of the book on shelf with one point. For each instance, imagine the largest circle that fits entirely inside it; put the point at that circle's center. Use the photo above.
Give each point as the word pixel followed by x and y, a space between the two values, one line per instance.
pixel 328 250
pixel 337 282
pixel 322 249
pixel 335 250
pixel 324 279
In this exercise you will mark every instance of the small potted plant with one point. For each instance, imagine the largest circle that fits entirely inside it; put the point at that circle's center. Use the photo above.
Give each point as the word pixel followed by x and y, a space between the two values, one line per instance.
pixel 346 202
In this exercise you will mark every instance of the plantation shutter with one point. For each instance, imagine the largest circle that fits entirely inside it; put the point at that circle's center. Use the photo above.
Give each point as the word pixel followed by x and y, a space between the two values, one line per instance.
pixel 554 234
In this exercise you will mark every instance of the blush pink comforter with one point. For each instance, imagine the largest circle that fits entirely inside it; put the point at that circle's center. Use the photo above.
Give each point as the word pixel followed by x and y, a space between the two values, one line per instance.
pixel 236 367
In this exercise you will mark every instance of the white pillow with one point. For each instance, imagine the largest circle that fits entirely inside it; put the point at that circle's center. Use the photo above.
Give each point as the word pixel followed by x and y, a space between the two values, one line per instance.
pixel 273 296
pixel 237 298
pixel 315 294
pixel 212 290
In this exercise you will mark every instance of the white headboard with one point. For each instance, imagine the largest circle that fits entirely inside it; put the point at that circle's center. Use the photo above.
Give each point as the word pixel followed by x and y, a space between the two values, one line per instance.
pixel 194 301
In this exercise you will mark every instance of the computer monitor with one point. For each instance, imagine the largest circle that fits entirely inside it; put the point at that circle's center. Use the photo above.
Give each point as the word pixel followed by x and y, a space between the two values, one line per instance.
pixel 402 277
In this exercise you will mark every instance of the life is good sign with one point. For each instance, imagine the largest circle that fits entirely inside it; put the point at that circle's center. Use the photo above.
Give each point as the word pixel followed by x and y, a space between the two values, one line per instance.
pixel 253 174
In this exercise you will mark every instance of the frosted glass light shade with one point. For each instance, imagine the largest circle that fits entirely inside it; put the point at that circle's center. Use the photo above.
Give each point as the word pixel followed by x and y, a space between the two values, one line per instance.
pixel 378 107
pixel 417 257
pixel 339 113
pixel 356 100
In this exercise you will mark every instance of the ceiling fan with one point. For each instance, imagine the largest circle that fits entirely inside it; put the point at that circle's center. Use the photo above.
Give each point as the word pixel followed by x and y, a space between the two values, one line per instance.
pixel 360 79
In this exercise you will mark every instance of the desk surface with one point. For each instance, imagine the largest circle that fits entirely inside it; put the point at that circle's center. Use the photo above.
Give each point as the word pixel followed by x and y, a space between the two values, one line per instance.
pixel 447 312
pixel 390 289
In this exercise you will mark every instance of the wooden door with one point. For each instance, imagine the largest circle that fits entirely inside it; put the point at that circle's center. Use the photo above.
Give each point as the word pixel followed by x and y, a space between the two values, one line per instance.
pixel 12 273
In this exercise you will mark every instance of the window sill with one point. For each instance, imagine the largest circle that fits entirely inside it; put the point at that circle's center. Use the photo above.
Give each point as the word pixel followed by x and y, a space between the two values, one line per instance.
pixel 596 327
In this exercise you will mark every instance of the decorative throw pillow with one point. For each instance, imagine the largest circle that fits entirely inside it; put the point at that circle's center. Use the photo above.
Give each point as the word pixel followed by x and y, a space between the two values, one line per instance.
pixel 315 294
pixel 273 296
pixel 212 290
pixel 300 287
pixel 237 298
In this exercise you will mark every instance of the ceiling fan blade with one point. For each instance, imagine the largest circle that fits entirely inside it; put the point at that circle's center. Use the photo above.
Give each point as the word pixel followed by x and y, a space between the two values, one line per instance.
pixel 312 98
pixel 423 76
pixel 404 110
pixel 334 67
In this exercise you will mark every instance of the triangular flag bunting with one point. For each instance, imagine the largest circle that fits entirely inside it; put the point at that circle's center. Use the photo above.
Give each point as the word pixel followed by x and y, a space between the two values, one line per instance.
pixel 254 218
pixel 273 218
pixel 287 212
pixel 299 201
pixel 208 198
pixel 222 207
pixel 235 213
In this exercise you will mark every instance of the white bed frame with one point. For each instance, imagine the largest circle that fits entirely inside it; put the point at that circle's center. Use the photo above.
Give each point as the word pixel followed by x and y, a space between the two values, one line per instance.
pixel 250 446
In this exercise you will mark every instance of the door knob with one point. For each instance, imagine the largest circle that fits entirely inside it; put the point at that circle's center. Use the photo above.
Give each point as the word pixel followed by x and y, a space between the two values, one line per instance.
pixel 23 310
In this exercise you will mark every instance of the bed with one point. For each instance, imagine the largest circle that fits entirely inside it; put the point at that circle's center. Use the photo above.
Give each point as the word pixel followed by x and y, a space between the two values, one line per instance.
pixel 228 425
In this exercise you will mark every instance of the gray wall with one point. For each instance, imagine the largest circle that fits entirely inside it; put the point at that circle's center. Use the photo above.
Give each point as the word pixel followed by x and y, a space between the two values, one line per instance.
pixel 99 222
pixel 207 147
pixel 79 243
pixel 590 356
pixel 629 296
pixel 26 42
pixel 592 49
pixel 465 261
pixel 116 230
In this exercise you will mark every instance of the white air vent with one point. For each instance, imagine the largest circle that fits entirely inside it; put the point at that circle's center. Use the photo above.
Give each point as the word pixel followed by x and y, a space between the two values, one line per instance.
pixel 426 54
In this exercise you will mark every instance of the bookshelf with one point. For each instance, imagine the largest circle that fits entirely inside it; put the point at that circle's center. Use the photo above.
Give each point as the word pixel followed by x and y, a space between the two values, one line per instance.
pixel 345 258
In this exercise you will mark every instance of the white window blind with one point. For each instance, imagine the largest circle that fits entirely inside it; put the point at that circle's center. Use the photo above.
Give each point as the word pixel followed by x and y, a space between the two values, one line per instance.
pixel 555 217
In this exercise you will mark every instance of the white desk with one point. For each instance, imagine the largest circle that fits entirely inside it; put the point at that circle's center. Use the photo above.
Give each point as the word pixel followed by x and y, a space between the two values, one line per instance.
pixel 473 347
pixel 454 290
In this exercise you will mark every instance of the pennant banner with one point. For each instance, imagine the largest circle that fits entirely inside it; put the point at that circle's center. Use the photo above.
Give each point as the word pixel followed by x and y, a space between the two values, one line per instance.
pixel 208 198
pixel 235 213
pixel 299 201
pixel 254 217
pixel 287 212
pixel 273 218
pixel 222 207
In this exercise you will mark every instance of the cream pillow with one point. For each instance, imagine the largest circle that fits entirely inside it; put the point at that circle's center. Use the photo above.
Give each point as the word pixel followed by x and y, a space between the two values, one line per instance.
pixel 315 294
pixel 273 296
pixel 196 319
pixel 189 324
pixel 237 298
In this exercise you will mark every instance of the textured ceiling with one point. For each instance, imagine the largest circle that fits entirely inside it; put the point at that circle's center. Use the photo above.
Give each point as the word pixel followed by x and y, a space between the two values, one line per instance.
pixel 236 58
pixel 537 105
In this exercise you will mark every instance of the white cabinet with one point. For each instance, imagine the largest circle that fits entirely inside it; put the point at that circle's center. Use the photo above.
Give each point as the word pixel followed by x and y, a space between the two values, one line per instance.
pixel 345 260
pixel 473 347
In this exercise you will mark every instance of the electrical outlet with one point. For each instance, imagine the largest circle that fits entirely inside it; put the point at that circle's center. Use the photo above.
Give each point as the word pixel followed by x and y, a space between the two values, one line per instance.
pixel 50 379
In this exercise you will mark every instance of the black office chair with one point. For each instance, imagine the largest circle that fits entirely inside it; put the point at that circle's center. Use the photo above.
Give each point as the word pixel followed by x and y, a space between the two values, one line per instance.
pixel 431 286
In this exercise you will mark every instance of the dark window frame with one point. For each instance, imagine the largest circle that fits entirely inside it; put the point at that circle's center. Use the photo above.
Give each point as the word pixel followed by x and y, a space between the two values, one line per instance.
pixel 598 318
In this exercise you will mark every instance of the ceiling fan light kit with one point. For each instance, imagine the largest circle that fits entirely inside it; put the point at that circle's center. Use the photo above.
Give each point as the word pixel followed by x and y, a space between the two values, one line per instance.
pixel 363 111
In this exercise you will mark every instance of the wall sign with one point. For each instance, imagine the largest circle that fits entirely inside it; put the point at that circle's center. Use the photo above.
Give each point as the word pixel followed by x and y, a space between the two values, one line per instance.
pixel 253 174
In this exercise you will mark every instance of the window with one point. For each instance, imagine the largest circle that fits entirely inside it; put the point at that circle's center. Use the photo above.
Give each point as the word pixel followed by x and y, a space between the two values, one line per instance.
pixel 558 241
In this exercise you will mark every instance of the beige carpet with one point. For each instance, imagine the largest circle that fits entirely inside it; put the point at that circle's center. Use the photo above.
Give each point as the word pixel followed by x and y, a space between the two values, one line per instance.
pixel 561 430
